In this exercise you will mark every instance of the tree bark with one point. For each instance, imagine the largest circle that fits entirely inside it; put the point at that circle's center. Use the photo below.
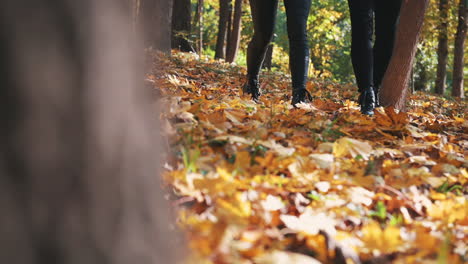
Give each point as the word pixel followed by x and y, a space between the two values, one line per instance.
pixel 458 58
pixel 155 21
pixel 181 25
pixel 222 29
pixel 421 81
pixel 442 49
pixel 395 82
pixel 78 144
pixel 198 22
pixel 268 57
pixel 229 24
pixel 233 45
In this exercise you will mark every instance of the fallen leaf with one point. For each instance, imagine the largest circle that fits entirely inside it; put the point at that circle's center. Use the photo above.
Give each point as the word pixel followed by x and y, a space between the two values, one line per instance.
pixel 282 257
pixel 310 222
pixel 353 147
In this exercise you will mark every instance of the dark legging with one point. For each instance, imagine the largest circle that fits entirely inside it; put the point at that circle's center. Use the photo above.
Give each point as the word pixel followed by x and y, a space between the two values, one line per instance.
pixel 370 63
pixel 264 17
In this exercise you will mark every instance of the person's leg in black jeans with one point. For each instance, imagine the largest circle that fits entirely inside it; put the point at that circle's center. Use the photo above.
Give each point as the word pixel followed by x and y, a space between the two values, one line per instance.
pixel 264 17
pixel 386 19
pixel 297 12
pixel 362 24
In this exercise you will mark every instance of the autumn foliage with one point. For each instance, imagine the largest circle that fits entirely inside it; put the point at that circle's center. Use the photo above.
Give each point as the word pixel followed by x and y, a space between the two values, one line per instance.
pixel 268 183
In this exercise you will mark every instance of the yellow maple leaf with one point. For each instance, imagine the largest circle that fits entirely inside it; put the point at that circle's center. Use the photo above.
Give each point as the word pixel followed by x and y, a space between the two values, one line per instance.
pixel 348 146
pixel 234 208
pixel 384 240
pixel 451 211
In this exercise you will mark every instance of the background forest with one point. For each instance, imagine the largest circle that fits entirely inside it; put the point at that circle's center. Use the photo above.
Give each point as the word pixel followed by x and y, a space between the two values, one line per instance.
pixel 224 29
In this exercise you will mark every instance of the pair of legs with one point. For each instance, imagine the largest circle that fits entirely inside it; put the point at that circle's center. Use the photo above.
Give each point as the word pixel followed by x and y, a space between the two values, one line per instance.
pixel 370 61
pixel 264 18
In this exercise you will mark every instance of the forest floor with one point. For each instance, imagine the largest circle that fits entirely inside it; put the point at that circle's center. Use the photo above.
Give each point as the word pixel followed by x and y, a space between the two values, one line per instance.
pixel 268 183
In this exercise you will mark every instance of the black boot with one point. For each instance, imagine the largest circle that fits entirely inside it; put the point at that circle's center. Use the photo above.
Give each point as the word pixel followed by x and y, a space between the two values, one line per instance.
pixel 252 87
pixel 299 65
pixel 376 93
pixel 367 101
pixel 300 96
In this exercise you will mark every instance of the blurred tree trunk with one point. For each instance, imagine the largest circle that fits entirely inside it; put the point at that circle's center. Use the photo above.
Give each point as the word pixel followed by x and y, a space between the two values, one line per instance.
pixel 154 17
pixel 222 29
pixel 268 57
pixel 229 24
pixel 234 40
pixel 198 22
pixel 181 25
pixel 421 81
pixel 442 49
pixel 78 145
pixel 458 58
pixel 133 5
pixel 395 82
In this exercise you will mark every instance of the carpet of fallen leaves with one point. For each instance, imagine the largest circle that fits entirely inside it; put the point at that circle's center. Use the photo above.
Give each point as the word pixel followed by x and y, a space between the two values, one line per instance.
pixel 268 183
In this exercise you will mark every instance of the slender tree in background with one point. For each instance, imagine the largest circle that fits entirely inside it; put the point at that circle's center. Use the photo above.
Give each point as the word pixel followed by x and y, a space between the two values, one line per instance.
pixel 220 52
pixel 78 144
pixel 268 57
pixel 154 17
pixel 421 81
pixel 135 6
pixel 181 25
pixel 442 48
pixel 229 24
pixel 234 40
pixel 458 58
pixel 198 22
pixel 395 82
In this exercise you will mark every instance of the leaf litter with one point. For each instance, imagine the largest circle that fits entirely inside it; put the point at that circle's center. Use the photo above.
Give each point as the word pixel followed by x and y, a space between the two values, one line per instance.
pixel 268 183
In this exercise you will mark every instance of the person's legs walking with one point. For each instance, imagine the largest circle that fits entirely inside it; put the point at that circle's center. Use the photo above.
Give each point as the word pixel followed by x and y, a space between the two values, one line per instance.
pixel 297 12
pixel 362 14
pixel 386 19
pixel 263 16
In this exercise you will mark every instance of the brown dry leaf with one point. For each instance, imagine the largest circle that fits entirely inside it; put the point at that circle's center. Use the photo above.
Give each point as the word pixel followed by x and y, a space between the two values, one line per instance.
pixel 242 160
pixel 327 105
pixel 398 119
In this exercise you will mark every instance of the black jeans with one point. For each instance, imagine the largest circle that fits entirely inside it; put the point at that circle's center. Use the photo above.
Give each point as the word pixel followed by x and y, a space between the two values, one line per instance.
pixel 264 18
pixel 370 63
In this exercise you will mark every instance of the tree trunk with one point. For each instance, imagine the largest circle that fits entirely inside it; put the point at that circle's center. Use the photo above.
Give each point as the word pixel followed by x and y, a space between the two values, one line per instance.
pixel 181 25
pixel 233 45
pixel 421 81
pixel 458 58
pixel 229 25
pixel 442 49
pixel 78 145
pixel 198 22
pixel 268 57
pixel 395 82
pixel 155 21
pixel 222 29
